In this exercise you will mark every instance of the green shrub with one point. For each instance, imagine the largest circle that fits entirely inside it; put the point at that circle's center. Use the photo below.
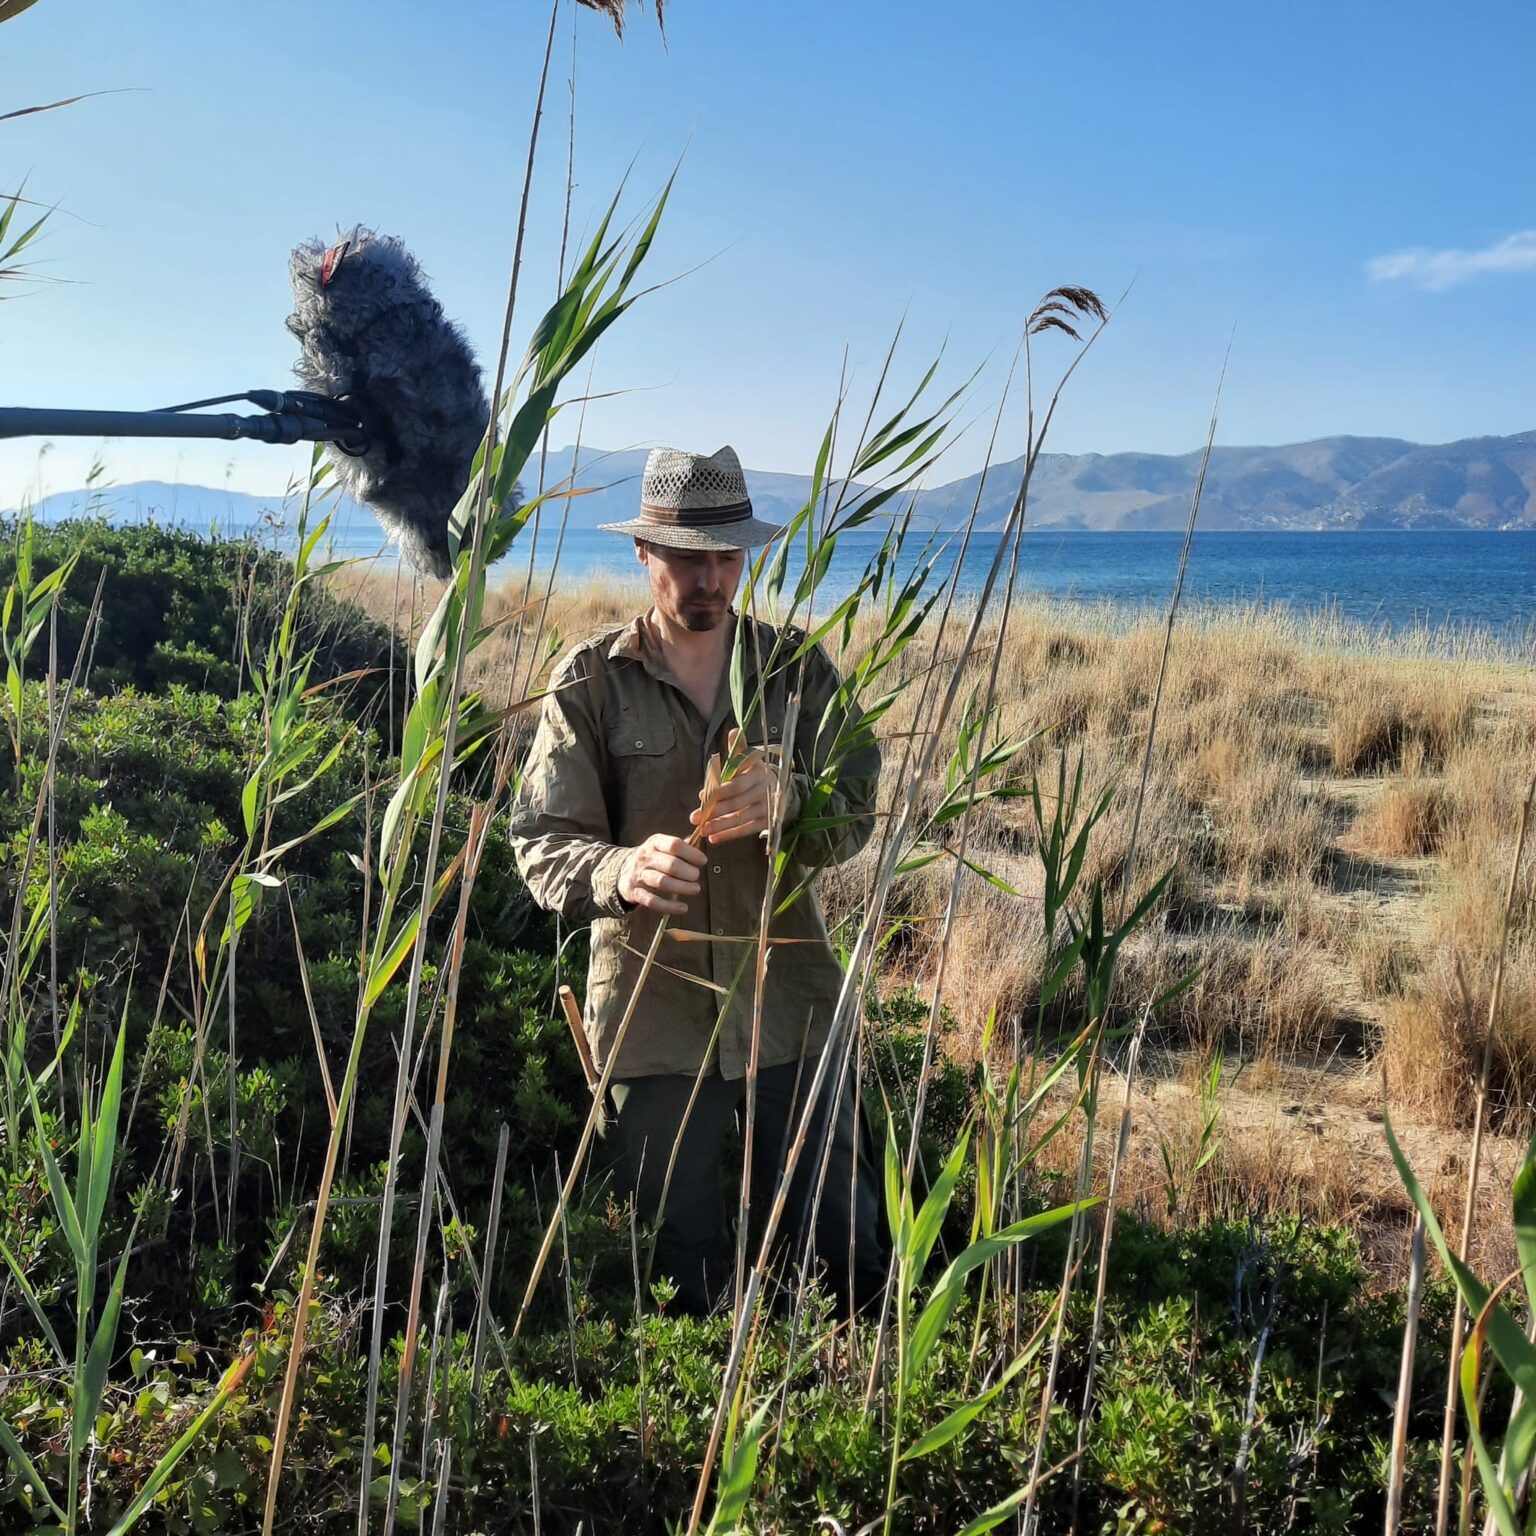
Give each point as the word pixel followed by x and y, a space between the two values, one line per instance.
pixel 148 788
pixel 1174 1388
pixel 176 607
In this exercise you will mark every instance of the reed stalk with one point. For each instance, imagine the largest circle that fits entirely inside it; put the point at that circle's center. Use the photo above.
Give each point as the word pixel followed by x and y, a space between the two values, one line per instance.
pixel 479 824
pixel 1106 1236
pixel 1405 1380
pixel 488 1269
pixel 1127 884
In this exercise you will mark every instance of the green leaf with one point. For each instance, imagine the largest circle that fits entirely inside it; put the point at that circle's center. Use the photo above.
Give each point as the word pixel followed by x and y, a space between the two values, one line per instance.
pixel 992 1518
pixel 69 1217
pixel 249 797
pixel 1060 970
pixel 420 723
pixel 738 1475
pixel 242 903
pixel 31 1298
pixel 167 1463
pixel 384 969
pixel 895 1196
pixel 950 1286
pixel 930 1219
pixel 1523 1201
pixel 1520 1438
pixel 24 548
pixel 104 1136
pixel 331 817
pixel 326 764
pixel 92 1382
pixel 12 1446
pixel 950 1426
pixel 308 547
pixel 55 578
pixel 1510 1346
pixel 1493 1491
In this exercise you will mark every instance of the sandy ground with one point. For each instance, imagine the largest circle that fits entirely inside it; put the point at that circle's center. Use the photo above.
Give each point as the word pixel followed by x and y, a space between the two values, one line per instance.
pixel 1311 1132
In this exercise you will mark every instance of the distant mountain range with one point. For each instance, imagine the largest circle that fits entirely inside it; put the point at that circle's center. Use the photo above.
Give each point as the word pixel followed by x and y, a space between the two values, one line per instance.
pixel 1332 483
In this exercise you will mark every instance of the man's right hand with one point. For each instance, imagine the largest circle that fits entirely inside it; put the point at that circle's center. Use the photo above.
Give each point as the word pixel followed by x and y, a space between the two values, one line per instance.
pixel 661 873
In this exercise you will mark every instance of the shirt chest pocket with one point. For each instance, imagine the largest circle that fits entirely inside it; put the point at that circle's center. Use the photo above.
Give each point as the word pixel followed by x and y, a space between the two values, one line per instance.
pixel 649 778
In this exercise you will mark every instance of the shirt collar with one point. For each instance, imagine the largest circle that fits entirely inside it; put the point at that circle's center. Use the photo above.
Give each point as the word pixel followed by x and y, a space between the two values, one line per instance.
pixel 630 642
pixel 634 643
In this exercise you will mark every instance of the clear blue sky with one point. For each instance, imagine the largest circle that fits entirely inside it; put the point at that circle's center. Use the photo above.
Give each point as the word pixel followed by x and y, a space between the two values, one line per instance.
pixel 1353 185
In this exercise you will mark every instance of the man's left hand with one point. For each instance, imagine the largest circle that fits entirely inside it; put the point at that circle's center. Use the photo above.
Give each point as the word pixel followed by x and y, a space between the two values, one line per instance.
pixel 744 805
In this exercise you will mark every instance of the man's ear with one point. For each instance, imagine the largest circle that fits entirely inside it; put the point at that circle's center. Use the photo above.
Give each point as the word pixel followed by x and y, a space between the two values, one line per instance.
pixel 642 552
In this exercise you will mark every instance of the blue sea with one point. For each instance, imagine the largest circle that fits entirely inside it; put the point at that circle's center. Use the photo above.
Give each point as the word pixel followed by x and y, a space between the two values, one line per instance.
pixel 1388 581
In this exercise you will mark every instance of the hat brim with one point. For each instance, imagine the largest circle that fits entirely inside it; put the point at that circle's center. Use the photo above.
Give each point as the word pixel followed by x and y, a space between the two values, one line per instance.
pixel 747 533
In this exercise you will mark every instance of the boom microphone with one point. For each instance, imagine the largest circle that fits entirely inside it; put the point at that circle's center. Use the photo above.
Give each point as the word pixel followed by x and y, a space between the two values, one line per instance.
pixel 373 336
pixel 393 389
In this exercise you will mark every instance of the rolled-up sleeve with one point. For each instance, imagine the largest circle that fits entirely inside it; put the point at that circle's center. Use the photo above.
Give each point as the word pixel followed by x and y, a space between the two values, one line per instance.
pixel 831 809
pixel 560 830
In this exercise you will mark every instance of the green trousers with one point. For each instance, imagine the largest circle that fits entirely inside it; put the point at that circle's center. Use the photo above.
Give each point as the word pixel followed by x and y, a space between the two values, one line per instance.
pixel 694 1241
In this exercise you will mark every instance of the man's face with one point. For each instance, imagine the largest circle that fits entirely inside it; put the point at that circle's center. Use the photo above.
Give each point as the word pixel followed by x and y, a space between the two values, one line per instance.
pixel 691 588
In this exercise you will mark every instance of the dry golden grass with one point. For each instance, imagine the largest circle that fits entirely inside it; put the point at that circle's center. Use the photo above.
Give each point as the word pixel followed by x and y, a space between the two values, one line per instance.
pixel 1406 821
pixel 1388 716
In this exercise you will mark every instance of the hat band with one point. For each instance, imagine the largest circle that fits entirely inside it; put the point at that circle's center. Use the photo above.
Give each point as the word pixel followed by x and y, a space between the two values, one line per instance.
pixel 697 517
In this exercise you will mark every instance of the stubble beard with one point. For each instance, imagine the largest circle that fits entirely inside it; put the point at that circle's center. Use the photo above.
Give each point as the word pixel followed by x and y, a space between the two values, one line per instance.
pixel 699 616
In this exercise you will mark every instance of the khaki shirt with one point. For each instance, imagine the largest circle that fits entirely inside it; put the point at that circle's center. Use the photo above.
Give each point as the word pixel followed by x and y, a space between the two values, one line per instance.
pixel 620 753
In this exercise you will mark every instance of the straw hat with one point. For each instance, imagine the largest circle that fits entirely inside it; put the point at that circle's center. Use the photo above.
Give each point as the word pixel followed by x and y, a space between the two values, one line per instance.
pixel 695 501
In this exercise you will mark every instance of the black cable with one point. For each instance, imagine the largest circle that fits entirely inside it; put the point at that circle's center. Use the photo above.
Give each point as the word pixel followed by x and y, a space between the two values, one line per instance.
pixel 197 405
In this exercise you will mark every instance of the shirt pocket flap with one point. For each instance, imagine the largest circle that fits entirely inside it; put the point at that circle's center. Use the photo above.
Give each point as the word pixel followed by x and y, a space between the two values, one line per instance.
pixel 637 734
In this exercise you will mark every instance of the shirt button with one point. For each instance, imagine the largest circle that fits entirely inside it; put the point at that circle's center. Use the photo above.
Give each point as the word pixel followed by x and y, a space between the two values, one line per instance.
pixel 716 869
pixel 720 930
pixel 773 730
pixel 639 743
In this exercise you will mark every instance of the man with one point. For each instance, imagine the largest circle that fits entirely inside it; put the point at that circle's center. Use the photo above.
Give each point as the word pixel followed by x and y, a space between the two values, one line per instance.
pixel 611 827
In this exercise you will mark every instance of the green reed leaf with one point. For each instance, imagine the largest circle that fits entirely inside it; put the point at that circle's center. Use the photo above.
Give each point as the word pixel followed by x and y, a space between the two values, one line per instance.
pixel 1493 1490
pixel 384 969
pixel 738 1475
pixel 1510 1346
pixel 34 1305
pixel 949 1427
pixel 167 1464
pixel 990 1519
pixel 91 1384
pixel 896 1202
pixel 950 1286
pixel 69 1217
pixel 1523 1203
pixel 954 1424
pixel 12 1446
pixel 930 1218
pixel 104 1136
